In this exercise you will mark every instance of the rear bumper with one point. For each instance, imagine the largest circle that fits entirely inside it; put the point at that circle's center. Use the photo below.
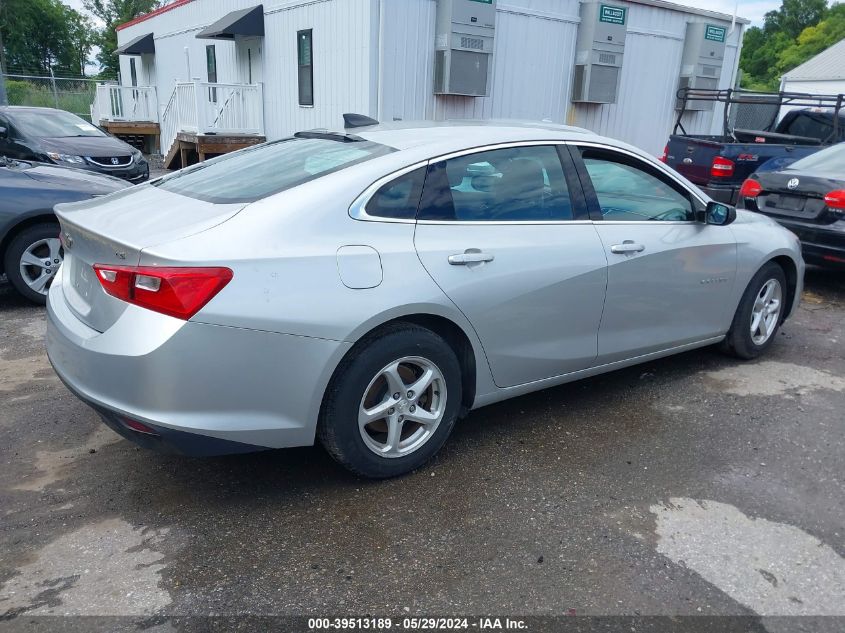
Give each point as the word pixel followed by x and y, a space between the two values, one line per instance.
pixel 203 389
pixel 820 245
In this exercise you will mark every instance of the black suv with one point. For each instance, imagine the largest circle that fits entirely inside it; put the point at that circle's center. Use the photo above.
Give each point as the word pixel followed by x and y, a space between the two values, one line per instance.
pixel 54 136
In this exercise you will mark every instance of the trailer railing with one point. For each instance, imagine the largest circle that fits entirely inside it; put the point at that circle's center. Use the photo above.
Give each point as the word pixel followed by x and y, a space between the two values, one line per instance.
pixel 125 103
pixel 201 107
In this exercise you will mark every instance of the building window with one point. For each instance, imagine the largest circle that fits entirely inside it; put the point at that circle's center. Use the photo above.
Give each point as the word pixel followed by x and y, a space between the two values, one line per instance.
pixel 211 68
pixel 306 68
pixel 133 72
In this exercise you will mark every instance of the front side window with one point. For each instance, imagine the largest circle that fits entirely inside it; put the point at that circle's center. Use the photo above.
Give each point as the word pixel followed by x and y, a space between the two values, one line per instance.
pixel 399 198
pixel 511 184
pixel 629 190
pixel 263 170
pixel 305 68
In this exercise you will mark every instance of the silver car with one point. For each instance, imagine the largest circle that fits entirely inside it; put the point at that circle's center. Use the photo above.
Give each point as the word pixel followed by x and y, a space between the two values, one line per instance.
pixel 369 288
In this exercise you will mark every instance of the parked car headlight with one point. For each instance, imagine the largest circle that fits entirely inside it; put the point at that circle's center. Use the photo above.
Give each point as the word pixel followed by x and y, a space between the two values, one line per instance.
pixel 137 155
pixel 65 158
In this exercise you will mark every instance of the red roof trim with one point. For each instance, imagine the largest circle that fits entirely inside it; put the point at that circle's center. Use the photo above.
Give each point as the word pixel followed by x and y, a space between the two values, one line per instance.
pixel 152 14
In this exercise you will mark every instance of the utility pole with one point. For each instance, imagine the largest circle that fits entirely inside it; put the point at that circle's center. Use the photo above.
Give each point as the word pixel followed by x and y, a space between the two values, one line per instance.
pixel 4 99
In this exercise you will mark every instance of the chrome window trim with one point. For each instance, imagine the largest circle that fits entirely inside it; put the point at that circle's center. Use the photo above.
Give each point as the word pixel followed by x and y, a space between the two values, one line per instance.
pixel 502 222
pixel 357 210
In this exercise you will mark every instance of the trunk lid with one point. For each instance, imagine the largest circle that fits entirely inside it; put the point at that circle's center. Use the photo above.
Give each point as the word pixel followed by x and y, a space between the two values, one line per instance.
pixel 803 201
pixel 114 230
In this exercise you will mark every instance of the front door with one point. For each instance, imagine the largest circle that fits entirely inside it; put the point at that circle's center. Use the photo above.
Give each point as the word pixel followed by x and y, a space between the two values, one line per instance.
pixel 670 277
pixel 505 234
pixel 250 60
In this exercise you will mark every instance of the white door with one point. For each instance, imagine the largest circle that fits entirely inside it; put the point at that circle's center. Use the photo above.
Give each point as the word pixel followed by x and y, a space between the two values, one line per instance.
pixel 250 60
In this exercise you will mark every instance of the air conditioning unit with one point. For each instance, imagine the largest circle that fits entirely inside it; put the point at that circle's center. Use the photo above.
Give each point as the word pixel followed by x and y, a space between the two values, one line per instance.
pixel 463 55
pixel 599 51
pixel 701 63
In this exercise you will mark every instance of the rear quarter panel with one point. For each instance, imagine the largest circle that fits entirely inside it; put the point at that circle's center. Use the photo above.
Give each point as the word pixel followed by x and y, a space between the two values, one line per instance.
pixel 283 252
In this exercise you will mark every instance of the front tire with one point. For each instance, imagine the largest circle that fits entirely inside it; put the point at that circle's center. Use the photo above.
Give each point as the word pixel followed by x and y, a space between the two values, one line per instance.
pixel 392 402
pixel 32 259
pixel 759 315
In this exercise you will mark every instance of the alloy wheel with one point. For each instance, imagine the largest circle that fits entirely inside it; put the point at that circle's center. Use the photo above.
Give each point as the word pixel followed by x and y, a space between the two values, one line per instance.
pixel 402 407
pixel 766 311
pixel 39 263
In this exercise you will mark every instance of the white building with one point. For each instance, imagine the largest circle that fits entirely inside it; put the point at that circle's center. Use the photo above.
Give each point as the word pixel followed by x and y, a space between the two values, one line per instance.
pixel 823 74
pixel 245 72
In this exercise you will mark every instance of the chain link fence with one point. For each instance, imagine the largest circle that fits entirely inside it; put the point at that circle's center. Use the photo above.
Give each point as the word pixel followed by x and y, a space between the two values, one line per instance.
pixel 73 95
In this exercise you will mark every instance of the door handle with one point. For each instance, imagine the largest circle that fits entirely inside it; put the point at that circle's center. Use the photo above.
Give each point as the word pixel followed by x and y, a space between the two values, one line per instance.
pixel 470 257
pixel 628 246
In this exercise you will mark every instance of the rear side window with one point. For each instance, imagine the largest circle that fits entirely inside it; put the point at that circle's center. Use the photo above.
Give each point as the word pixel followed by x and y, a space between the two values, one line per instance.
pixel 814 125
pixel 511 184
pixel 829 161
pixel 261 171
pixel 399 198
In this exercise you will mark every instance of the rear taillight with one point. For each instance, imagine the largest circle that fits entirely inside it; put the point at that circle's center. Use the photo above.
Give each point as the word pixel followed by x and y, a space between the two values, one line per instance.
pixel 664 158
pixel 836 200
pixel 722 167
pixel 750 189
pixel 176 291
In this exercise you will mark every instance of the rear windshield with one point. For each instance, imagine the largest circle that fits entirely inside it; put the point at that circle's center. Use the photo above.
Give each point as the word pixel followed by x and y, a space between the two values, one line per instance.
pixel 258 172
pixel 829 160
pixel 52 124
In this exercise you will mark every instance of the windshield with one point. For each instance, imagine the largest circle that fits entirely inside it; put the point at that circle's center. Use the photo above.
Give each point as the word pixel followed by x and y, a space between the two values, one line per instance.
pixel 828 160
pixel 52 124
pixel 257 172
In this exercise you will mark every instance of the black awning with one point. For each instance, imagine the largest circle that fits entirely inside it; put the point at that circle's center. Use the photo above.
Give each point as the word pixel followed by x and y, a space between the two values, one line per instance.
pixel 246 22
pixel 139 46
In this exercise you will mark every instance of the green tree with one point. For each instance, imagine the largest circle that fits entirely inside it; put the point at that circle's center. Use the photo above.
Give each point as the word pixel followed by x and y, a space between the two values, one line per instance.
pixel 794 16
pixel 43 35
pixel 813 40
pixel 114 13
pixel 790 35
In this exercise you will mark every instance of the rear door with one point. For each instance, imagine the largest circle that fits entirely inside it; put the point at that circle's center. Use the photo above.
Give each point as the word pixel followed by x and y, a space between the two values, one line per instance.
pixel 504 233
pixel 670 278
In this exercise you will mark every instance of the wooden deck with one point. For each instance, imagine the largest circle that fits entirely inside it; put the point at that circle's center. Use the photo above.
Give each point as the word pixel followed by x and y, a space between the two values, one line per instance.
pixel 191 148
pixel 141 134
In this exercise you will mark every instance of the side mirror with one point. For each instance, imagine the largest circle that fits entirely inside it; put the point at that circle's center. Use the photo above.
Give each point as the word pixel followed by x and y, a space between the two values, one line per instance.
pixel 719 214
pixel 3 132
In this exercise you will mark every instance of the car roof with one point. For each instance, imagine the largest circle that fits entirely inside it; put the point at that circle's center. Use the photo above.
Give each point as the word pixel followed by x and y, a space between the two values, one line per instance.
pixel 441 137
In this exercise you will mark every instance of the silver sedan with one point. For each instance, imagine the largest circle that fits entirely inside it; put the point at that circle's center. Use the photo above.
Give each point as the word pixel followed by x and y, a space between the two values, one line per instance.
pixel 370 288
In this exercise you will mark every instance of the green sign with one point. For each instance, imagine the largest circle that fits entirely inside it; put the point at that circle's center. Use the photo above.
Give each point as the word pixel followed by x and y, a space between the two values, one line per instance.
pixel 715 33
pixel 612 15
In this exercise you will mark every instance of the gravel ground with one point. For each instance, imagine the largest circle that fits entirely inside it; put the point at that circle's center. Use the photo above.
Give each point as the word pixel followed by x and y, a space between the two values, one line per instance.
pixel 694 485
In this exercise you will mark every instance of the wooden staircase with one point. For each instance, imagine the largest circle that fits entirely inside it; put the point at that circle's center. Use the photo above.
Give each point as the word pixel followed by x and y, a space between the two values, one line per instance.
pixel 189 148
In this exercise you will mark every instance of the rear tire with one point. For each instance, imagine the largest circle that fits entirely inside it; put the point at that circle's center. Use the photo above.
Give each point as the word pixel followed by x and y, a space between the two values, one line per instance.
pixel 759 315
pixel 372 421
pixel 32 277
